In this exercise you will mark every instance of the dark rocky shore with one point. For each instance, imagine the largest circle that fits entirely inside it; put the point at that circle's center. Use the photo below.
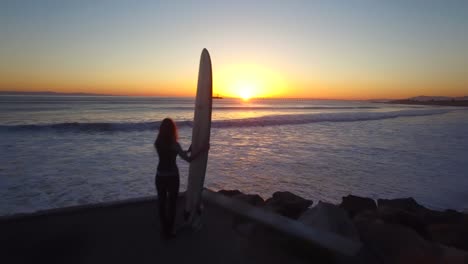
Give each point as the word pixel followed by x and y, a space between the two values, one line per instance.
pixel 390 231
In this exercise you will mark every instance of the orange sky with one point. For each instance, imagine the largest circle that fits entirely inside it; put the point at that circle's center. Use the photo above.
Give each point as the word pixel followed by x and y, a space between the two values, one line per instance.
pixel 310 50
pixel 236 80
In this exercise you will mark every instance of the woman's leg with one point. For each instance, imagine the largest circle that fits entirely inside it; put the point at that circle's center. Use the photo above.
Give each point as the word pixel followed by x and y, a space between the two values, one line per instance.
pixel 173 195
pixel 161 187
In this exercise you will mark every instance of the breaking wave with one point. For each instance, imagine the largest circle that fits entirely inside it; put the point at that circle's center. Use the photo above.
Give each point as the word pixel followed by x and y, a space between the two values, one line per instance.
pixel 270 120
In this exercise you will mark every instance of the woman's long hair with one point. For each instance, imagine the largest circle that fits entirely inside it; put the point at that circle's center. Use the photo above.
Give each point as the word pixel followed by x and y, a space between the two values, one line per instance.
pixel 167 133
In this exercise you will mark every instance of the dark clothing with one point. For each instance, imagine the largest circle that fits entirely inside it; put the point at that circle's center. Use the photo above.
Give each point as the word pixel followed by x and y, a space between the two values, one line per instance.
pixel 167 184
pixel 168 189
pixel 167 156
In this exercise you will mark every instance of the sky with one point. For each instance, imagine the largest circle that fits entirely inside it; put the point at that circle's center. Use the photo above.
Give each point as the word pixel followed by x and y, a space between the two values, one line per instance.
pixel 297 49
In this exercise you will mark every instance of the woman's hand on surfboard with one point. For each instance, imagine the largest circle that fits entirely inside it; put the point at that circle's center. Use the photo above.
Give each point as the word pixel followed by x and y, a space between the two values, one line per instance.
pixel 202 150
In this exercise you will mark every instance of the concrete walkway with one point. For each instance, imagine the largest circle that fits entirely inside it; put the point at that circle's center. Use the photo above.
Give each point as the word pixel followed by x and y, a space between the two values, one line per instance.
pixel 128 232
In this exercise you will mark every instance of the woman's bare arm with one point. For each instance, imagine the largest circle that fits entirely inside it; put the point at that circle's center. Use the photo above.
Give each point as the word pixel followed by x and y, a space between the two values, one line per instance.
pixel 182 153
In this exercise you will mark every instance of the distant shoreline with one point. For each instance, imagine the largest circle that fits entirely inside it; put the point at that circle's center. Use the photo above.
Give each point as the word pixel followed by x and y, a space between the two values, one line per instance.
pixel 461 103
pixel 46 93
pixel 52 93
pixel 441 101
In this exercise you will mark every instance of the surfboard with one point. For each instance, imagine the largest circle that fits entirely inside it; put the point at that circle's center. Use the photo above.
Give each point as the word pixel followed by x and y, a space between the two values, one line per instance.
pixel 200 138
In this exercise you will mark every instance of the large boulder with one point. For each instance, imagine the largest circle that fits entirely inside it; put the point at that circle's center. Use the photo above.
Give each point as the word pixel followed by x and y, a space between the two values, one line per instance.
pixel 430 216
pixel 453 235
pixel 454 256
pixel 367 216
pixel 355 204
pixel 329 217
pixel 442 217
pixel 287 204
pixel 241 224
pixel 390 243
pixel 406 204
pixel 400 217
pixel 252 199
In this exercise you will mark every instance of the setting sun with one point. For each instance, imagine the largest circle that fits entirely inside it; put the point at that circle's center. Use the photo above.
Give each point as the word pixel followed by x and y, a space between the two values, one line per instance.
pixel 245 93
pixel 247 81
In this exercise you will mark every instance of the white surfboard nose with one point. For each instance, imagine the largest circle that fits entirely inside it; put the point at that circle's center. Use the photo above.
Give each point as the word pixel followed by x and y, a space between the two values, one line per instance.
pixel 205 59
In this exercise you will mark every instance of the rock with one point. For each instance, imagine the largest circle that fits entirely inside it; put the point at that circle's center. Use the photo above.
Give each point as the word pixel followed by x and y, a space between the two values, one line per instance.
pixel 287 204
pixel 429 216
pixel 411 220
pixel 453 235
pixel 252 199
pixel 230 192
pixel 406 204
pixel 448 227
pixel 442 217
pixel 391 243
pixel 395 216
pixel 241 224
pixel 367 216
pixel 331 218
pixel 448 216
pixel 355 204
pixel 454 256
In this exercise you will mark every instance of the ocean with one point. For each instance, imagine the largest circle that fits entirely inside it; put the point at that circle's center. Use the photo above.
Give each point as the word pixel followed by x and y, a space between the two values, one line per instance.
pixel 61 151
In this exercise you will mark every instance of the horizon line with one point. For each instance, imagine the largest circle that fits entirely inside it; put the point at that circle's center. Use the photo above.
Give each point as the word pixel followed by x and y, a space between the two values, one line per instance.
pixel 54 93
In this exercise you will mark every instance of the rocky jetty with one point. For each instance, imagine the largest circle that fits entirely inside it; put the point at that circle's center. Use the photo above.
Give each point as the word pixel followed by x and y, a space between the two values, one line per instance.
pixel 331 218
pixel 391 230
pixel 287 204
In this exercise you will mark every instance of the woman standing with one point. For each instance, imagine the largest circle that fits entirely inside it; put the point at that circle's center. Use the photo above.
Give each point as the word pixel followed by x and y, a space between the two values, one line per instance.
pixel 167 175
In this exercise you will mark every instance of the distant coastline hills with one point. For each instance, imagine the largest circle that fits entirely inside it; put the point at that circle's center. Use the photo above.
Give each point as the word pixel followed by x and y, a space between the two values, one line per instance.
pixel 433 100
pixel 51 93
pixel 437 98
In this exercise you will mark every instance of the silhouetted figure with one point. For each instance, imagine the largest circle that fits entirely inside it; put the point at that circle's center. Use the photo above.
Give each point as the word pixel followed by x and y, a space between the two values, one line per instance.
pixel 167 175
